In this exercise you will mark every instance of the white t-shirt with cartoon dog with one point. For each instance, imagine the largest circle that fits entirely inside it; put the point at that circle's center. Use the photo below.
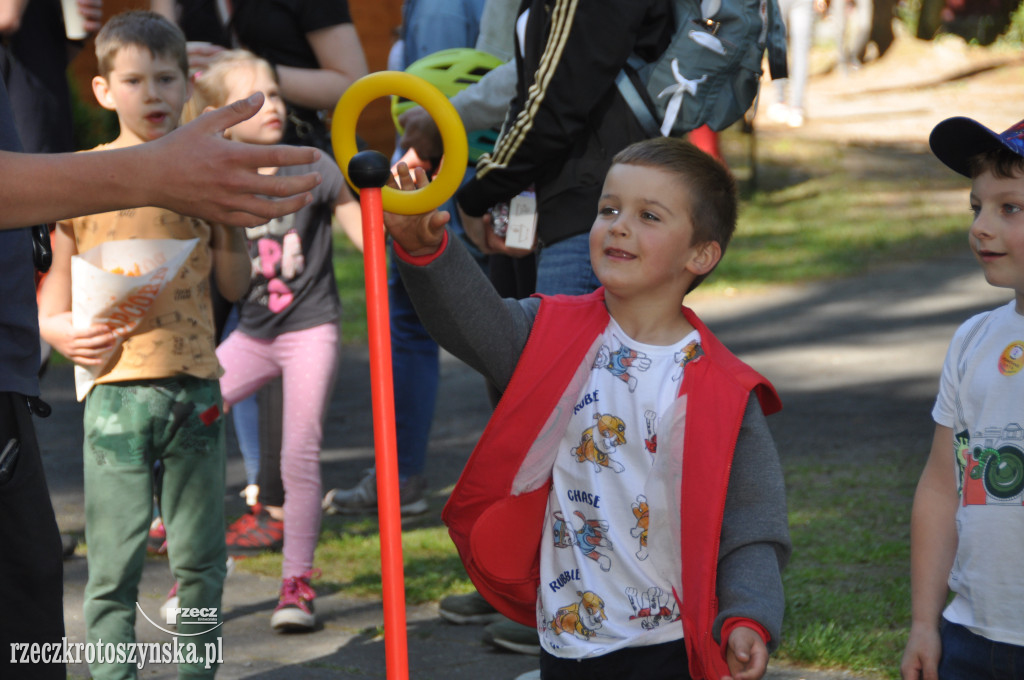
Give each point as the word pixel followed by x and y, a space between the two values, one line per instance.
pixel 598 590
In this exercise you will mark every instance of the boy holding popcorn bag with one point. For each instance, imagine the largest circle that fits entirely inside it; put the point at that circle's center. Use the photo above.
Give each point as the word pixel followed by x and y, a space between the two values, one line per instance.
pixel 156 394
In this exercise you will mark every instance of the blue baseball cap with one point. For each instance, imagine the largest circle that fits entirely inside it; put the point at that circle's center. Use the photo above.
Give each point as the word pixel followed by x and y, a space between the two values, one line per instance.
pixel 955 141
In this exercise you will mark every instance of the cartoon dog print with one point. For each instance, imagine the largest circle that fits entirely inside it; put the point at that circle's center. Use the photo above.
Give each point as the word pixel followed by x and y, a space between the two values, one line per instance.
pixel 598 447
pixel 651 440
pixel 692 351
pixel 652 607
pixel 586 534
pixel 582 618
pixel 621 361
pixel 641 511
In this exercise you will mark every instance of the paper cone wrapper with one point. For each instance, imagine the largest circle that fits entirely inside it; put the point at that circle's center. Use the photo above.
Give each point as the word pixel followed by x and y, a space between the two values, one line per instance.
pixel 120 300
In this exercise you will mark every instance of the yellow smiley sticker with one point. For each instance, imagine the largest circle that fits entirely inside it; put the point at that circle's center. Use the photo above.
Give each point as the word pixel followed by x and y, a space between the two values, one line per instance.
pixel 1012 358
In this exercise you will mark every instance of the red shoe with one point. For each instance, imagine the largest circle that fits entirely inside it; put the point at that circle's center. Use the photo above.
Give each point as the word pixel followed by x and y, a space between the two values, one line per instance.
pixel 255 532
pixel 156 544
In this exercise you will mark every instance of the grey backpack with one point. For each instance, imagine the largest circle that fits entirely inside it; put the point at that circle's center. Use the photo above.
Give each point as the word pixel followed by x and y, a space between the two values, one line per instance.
pixel 710 72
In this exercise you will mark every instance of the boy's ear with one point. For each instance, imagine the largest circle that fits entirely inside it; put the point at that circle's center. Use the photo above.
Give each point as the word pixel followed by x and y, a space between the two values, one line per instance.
pixel 101 90
pixel 704 260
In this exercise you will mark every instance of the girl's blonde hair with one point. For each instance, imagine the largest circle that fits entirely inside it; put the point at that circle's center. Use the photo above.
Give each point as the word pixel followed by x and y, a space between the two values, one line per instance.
pixel 210 87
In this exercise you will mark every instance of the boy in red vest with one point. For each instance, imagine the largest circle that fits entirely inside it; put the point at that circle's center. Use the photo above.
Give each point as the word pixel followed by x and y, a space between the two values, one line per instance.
pixel 626 497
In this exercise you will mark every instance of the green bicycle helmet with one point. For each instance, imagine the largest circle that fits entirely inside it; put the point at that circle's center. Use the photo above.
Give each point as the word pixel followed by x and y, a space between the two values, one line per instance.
pixel 452 71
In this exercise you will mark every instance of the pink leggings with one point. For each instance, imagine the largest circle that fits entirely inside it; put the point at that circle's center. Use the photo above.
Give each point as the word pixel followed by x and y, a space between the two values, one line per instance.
pixel 308 361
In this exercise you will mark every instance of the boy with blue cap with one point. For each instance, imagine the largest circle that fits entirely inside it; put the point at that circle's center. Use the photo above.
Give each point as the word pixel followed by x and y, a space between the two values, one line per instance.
pixel 968 517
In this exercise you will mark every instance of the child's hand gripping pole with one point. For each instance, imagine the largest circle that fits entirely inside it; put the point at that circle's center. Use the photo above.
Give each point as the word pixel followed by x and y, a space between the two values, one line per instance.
pixel 368 171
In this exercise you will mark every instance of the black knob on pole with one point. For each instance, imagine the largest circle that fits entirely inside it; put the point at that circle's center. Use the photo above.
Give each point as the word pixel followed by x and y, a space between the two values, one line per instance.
pixel 369 169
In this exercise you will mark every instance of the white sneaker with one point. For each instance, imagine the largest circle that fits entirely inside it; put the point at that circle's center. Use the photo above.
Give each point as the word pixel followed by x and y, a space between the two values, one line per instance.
pixel 529 675
pixel 251 494
pixel 170 603
pixel 777 112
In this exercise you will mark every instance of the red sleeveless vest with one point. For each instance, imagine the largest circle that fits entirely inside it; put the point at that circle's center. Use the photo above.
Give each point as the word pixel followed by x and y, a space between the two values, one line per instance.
pixel 498 535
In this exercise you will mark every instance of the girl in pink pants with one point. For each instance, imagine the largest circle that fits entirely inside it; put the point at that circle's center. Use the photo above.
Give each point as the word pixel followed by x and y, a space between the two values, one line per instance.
pixel 288 320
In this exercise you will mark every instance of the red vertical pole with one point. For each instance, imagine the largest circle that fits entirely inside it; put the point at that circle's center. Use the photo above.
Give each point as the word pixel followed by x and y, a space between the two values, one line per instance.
pixel 383 399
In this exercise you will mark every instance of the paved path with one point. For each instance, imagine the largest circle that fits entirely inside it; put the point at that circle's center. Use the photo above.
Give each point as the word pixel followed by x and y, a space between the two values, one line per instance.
pixel 866 350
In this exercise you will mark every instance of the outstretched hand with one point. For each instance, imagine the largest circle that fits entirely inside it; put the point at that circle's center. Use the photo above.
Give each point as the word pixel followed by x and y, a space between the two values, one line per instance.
pixel 197 172
pixel 746 655
pixel 417 234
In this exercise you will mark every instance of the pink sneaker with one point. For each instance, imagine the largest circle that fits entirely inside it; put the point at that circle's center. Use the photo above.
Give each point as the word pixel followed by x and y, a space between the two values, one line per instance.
pixel 294 612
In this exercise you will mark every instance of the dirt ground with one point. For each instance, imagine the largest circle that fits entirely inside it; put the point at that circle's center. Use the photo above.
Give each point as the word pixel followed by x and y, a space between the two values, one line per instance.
pixel 898 98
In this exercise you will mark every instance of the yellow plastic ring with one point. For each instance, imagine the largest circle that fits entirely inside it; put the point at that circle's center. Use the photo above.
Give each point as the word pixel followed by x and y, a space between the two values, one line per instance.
pixel 453 136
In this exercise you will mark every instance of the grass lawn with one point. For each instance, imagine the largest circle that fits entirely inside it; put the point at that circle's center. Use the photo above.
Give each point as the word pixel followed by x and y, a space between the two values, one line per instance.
pixel 817 213
pixel 847 586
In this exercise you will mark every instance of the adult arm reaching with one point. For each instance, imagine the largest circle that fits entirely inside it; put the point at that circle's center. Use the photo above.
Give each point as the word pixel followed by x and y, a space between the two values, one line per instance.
pixel 192 171
pixel 341 62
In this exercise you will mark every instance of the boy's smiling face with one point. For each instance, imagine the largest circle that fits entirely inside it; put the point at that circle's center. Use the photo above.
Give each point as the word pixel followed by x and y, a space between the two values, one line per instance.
pixel 147 91
pixel 642 240
pixel 997 232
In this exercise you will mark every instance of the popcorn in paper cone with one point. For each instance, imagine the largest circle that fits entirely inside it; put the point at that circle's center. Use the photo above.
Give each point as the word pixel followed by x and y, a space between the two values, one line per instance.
pixel 115 284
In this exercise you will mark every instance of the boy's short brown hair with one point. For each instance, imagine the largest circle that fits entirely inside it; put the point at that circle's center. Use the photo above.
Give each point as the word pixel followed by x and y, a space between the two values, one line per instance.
pixel 140 28
pixel 710 186
pixel 1001 162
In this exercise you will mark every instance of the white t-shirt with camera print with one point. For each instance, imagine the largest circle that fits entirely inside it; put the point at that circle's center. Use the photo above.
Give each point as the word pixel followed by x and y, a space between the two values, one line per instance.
pixel 981 397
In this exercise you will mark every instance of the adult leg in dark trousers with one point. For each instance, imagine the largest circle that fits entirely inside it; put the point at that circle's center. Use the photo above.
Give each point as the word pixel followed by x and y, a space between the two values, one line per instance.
pixel 31 571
